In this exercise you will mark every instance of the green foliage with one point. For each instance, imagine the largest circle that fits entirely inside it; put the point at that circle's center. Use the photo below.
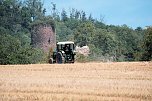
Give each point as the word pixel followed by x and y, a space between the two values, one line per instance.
pixel 29 55
pixel 84 33
pixel 147 45
pixel 63 32
pixel 35 9
pixel 64 16
pixel 15 34
pixel 114 43
pixel 8 48
pixel 43 21
pixel 13 53
pixel 105 41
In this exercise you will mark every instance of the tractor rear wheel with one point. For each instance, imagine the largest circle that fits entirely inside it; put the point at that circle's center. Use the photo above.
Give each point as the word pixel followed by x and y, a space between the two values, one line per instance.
pixel 59 58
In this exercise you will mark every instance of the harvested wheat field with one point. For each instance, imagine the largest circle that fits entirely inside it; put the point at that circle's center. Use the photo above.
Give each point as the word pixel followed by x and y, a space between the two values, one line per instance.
pixel 122 81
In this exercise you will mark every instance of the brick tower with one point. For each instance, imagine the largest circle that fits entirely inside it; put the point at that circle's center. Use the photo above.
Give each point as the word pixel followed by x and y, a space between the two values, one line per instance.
pixel 43 36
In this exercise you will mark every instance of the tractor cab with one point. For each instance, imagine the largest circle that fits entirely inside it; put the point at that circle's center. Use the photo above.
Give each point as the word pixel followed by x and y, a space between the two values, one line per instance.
pixel 65 52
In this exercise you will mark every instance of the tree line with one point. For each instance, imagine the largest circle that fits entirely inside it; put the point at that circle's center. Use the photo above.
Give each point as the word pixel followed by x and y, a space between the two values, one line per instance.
pixel 106 42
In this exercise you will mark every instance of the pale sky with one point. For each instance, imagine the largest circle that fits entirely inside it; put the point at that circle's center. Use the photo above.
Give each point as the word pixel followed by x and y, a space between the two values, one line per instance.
pixel 133 13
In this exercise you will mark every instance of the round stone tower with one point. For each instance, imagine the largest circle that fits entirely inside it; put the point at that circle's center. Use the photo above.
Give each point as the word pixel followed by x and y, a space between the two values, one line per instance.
pixel 43 36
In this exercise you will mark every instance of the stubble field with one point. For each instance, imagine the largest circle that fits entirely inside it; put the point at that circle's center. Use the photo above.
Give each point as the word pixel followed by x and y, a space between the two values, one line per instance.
pixel 122 81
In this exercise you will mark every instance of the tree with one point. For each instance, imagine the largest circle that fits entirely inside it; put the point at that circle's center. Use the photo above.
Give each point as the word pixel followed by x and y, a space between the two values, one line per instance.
pixel 63 31
pixel 15 34
pixel 83 33
pixel 105 41
pixel 8 48
pixel 10 14
pixel 72 12
pixel 13 53
pixel 77 14
pixel 36 8
pixel 91 18
pixel 138 29
pixel 64 15
pixel 55 14
pixel 26 17
pixel 83 16
pixel 147 45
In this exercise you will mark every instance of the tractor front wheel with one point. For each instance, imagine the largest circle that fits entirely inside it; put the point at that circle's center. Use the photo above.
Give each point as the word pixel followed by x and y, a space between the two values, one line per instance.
pixel 51 60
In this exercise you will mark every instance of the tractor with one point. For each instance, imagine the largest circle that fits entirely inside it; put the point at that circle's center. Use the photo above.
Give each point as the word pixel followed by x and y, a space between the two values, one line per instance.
pixel 64 53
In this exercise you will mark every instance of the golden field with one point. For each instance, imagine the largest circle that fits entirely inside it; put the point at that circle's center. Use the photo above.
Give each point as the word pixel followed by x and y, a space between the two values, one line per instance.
pixel 119 81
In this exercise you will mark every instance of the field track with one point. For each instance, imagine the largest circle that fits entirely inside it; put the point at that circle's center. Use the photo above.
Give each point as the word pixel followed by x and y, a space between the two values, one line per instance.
pixel 124 81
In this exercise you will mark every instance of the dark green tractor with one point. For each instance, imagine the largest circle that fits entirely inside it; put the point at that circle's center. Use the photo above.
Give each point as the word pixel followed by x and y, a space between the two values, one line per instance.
pixel 65 53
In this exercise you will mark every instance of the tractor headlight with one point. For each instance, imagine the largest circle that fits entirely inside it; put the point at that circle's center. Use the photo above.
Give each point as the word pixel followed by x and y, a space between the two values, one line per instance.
pixel 63 52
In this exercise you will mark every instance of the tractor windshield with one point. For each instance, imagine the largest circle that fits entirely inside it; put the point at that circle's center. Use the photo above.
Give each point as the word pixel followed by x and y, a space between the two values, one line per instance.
pixel 65 47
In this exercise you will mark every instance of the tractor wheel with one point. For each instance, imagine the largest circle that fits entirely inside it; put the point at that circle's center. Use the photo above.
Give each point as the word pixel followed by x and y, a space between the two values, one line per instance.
pixel 73 59
pixel 59 58
pixel 51 60
pixel 63 59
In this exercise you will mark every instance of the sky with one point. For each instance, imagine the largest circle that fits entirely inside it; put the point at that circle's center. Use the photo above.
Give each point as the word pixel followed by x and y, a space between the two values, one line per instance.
pixel 133 13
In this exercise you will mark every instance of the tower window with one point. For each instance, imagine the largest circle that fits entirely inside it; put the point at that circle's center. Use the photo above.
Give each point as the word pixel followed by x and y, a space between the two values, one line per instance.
pixel 49 41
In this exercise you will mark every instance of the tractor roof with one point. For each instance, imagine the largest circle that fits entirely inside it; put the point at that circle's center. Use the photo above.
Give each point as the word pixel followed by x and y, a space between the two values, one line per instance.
pixel 66 42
